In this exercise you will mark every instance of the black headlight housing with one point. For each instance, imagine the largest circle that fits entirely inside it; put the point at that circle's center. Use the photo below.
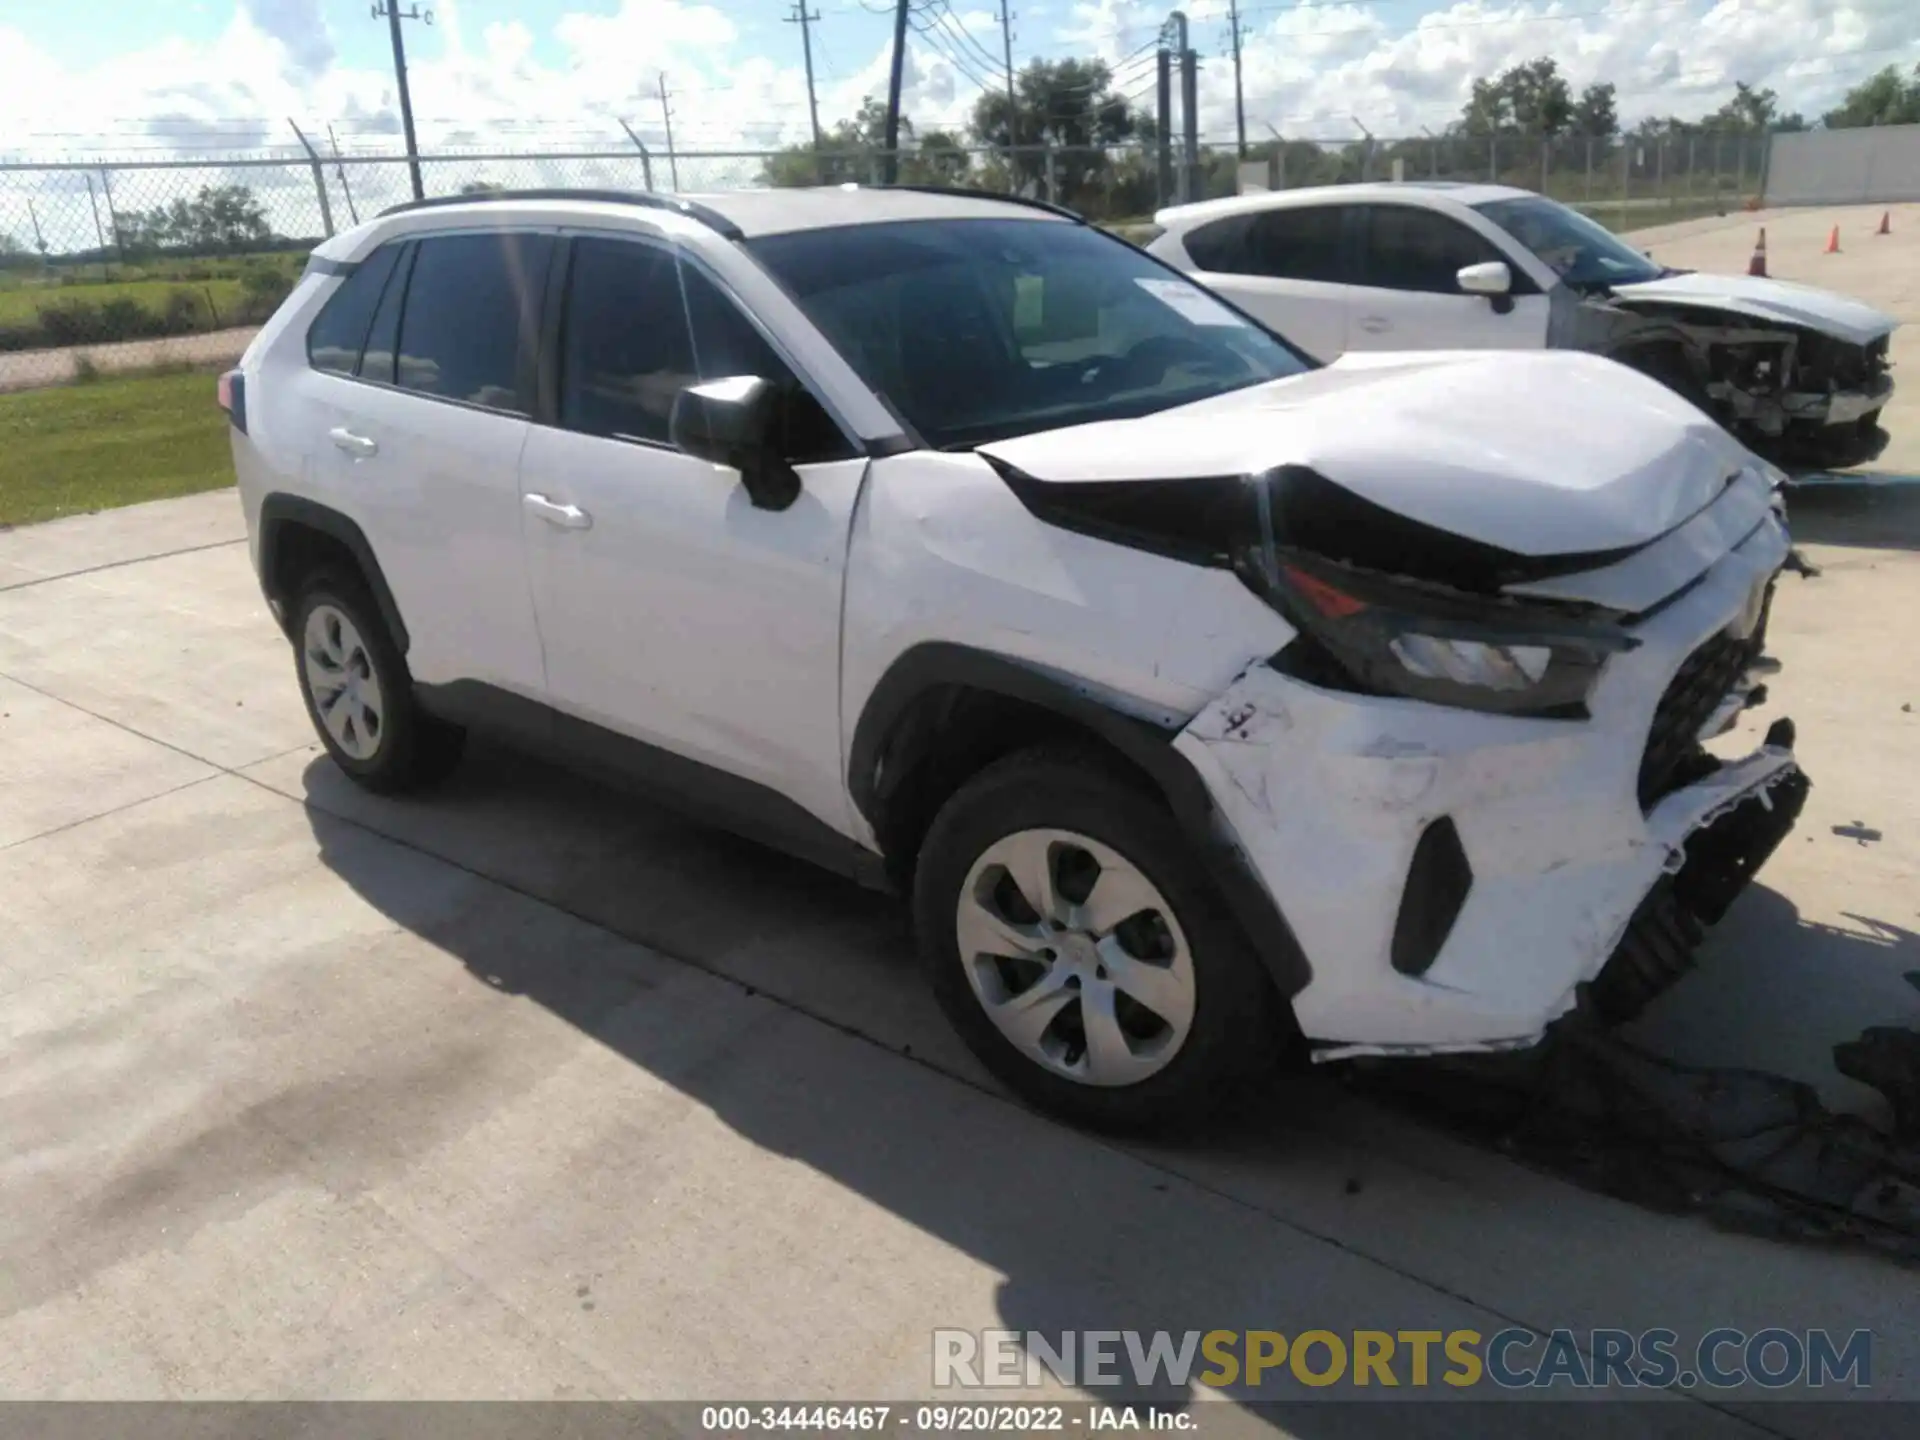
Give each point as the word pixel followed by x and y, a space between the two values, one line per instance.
pixel 1385 604
pixel 1381 635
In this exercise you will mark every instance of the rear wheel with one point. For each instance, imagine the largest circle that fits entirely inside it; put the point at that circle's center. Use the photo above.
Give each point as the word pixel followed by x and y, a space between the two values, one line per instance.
pixel 359 693
pixel 1081 954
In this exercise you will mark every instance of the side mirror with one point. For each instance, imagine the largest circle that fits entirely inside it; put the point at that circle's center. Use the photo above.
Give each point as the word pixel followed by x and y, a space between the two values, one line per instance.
pixel 736 422
pixel 1491 278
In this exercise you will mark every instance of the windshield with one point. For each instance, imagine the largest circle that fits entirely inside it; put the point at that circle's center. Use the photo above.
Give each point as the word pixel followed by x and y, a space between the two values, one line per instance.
pixel 978 330
pixel 1582 252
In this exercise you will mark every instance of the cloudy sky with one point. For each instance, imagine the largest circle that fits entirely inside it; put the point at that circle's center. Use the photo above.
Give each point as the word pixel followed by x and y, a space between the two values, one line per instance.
pixel 138 77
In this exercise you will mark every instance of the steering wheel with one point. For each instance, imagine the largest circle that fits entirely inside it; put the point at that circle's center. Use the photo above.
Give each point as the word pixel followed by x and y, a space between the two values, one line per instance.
pixel 1148 361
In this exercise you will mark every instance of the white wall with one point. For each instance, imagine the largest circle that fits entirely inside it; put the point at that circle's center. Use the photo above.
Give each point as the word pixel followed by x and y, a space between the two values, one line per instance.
pixel 1845 167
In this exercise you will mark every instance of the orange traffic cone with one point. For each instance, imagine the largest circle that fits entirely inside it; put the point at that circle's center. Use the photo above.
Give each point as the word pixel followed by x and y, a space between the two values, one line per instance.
pixel 1758 264
pixel 1886 223
pixel 1833 242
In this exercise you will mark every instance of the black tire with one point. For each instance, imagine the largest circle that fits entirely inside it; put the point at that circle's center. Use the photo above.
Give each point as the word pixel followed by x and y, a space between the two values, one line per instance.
pixel 411 749
pixel 1239 1027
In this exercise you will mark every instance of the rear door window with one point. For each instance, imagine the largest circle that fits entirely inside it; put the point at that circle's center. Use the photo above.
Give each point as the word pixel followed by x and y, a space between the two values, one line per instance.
pixel 339 331
pixel 1306 242
pixel 1414 249
pixel 467 329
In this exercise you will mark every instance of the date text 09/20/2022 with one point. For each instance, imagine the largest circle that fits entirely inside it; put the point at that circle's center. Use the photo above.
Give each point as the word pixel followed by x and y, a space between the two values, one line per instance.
pixel 941 1418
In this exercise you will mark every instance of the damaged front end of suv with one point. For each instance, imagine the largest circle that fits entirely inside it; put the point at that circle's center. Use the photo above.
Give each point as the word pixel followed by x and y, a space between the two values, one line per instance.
pixel 1476 781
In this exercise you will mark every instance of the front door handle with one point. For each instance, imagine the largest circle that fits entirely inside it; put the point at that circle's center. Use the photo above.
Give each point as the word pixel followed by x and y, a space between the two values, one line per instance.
pixel 356 445
pixel 561 517
pixel 1375 324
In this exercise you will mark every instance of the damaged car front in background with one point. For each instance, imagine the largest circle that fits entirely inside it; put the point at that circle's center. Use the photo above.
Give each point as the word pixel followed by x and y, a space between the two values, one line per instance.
pixel 1475 780
pixel 1798 374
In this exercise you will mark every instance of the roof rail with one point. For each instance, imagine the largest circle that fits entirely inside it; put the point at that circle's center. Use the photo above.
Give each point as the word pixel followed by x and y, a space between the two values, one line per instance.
pixel 1047 205
pixel 693 210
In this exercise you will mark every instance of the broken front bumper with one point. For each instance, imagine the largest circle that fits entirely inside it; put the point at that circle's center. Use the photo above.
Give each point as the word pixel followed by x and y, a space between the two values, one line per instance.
pixel 1515 851
pixel 1838 407
pixel 1716 861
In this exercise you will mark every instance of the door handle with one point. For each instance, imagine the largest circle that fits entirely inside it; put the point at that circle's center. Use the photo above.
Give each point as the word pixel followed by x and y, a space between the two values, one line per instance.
pixel 357 445
pixel 1375 324
pixel 561 517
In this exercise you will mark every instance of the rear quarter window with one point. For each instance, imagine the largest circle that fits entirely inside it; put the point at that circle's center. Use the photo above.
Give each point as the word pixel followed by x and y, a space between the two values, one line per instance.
pixel 339 332
pixel 1220 245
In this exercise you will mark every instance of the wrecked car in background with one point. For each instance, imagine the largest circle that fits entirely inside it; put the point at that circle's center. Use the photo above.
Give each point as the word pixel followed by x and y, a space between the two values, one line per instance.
pixel 1798 374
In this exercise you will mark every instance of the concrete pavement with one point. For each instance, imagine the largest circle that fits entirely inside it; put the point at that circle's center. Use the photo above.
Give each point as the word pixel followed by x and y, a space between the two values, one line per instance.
pixel 528 1090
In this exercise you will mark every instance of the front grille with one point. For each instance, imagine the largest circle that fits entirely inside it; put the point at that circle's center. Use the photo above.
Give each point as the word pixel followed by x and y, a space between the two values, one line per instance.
pixel 1673 743
pixel 1824 362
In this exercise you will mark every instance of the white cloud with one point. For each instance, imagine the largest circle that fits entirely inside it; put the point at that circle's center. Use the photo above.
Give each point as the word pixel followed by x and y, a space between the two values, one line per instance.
pixel 1310 69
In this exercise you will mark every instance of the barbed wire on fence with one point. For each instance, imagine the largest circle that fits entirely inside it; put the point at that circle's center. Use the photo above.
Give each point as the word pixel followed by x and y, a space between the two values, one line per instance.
pixel 114 263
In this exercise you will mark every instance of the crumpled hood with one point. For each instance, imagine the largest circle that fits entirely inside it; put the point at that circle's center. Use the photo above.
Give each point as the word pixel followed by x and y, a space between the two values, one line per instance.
pixel 1540 453
pixel 1780 301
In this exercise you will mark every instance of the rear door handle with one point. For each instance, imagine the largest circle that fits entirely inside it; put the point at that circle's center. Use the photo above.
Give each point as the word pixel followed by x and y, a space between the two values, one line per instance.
pixel 357 445
pixel 561 517
pixel 1375 324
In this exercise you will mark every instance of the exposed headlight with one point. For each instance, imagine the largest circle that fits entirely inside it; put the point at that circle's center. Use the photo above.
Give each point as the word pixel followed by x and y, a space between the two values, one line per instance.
pixel 1396 637
pixel 1472 662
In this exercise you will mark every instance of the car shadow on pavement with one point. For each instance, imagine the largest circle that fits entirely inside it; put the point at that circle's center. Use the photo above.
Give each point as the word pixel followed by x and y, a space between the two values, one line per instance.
pixel 1086 1236
pixel 1880 512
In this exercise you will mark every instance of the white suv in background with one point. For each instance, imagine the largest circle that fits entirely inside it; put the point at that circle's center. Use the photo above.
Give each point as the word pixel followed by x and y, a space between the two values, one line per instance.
pixel 1798 374
pixel 1205 701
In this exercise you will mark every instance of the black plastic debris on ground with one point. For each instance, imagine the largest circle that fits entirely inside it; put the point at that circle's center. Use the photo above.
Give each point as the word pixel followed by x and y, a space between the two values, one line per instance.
pixel 1753 1151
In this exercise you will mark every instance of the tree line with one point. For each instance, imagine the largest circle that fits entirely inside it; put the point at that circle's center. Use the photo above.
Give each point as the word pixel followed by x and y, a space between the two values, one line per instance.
pixel 1102 165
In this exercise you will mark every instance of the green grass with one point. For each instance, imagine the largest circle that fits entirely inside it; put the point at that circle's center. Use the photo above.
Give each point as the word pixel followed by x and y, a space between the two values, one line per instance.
pixel 20 307
pixel 180 271
pixel 116 442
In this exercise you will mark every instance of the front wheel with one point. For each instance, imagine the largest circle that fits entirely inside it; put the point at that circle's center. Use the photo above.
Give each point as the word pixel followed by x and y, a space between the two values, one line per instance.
pixel 1081 954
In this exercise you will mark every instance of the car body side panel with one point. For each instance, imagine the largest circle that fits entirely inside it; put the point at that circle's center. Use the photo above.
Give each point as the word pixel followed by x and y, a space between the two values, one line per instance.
pixel 943 551
pixel 1314 315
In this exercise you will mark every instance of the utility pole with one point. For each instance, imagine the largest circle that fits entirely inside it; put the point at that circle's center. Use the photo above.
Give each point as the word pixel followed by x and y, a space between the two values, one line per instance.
pixel 1239 98
pixel 391 9
pixel 805 21
pixel 891 161
pixel 1013 106
pixel 666 119
pixel 1189 108
pixel 1163 157
pixel 340 169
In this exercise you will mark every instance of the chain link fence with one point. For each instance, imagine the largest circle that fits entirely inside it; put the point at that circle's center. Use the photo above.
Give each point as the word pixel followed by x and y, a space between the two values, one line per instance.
pixel 115 266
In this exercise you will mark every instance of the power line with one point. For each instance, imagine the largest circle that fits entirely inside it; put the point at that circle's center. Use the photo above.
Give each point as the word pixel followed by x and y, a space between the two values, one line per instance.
pixel 934 41
pixel 957 27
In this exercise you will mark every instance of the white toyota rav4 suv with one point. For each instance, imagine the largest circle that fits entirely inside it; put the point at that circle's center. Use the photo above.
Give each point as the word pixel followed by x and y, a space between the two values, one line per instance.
pixel 1210 705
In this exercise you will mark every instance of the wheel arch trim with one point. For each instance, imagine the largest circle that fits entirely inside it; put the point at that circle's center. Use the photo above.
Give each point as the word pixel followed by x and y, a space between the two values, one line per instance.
pixel 280 510
pixel 885 743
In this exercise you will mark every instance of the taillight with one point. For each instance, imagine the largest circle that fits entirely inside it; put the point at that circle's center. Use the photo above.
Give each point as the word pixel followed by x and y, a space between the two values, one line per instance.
pixel 232 391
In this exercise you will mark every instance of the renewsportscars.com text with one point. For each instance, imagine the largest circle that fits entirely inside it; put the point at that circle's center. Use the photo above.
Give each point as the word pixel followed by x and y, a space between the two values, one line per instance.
pixel 1510 1359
